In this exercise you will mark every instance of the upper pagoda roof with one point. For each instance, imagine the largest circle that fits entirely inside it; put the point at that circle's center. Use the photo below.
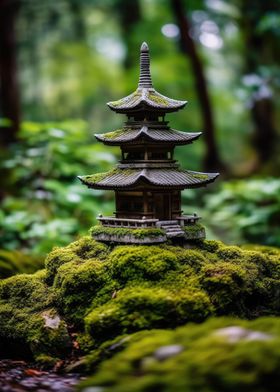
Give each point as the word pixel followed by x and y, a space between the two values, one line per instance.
pixel 145 97
pixel 129 135
pixel 168 177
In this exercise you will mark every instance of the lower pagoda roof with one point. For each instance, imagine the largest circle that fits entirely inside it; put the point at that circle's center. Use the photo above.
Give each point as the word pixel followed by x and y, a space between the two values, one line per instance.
pixel 129 135
pixel 128 178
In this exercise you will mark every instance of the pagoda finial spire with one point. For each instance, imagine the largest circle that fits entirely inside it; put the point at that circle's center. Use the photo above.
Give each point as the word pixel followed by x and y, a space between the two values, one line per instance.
pixel 145 74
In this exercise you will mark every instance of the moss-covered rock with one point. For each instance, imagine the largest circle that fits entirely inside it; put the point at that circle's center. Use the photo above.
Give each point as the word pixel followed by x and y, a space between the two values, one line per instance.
pixel 78 251
pixel 28 318
pixel 138 308
pixel 102 292
pixel 13 262
pixel 218 355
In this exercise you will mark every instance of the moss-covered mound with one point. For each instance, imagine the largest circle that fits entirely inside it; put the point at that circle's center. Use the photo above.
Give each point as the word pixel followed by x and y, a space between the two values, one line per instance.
pixel 220 355
pixel 13 262
pixel 91 293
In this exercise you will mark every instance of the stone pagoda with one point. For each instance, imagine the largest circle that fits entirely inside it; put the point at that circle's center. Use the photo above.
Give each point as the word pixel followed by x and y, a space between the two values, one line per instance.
pixel 147 181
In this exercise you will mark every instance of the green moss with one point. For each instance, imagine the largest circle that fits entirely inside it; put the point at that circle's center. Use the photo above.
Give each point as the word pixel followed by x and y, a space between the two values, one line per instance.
pixel 200 176
pixel 115 134
pixel 58 257
pixel 122 231
pixel 140 263
pixel 76 284
pixel 118 290
pixel 13 262
pixel 26 291
pixel 229 252
pixel 95 178
pixel 266 250
pixel 46 360
pixel 228 285
pixel 25 304
pixel 116 103
pixel 139 308
pixel 192 257
pixel 84 248
pixel 160 100
pixel 210 246
pixel 194 230
pixel 204 358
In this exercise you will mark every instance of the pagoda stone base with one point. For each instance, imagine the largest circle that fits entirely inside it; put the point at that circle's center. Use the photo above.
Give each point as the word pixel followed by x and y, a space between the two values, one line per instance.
pixel 148 232
pixel 124 235
pixel 129 239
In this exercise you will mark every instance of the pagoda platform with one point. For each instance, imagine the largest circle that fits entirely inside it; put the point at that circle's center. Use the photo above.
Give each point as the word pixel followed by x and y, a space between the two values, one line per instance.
pixel 148 231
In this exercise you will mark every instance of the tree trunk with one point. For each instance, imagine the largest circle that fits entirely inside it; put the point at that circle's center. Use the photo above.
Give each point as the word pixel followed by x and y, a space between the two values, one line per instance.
pixel 79 27
pixel 212 159
pixel 9 91
pixel 261 50
pixel 129 13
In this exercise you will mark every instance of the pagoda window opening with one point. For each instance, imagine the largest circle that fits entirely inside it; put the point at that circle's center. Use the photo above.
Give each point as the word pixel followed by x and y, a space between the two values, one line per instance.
pixel 134 156
pixel 146 117
pixel 147 155
pixel 130 204
pixel 158 155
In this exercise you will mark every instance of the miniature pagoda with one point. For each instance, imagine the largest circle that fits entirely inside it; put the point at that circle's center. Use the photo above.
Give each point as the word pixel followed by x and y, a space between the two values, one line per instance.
pixel 147 181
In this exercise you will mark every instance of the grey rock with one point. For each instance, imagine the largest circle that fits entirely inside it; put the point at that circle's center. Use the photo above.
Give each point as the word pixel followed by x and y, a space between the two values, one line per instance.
pixel 51 320
pixel 235 334
pixel 166 352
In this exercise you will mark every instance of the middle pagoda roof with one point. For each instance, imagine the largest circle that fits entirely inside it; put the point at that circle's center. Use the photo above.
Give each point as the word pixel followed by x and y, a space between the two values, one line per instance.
pixel 153 134
pixel 146 98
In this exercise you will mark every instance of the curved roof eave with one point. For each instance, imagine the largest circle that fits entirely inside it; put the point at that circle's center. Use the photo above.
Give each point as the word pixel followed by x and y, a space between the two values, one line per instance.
pixel 160 179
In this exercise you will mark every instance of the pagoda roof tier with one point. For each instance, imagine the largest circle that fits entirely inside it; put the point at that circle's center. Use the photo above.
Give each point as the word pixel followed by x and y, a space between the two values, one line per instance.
pixel 145 98
pixel 130 135
pixel 167 178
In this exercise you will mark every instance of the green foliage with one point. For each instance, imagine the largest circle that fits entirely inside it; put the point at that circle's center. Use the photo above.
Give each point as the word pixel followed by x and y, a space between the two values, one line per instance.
pixel 219 355
pixel 246 211
pixel 48 205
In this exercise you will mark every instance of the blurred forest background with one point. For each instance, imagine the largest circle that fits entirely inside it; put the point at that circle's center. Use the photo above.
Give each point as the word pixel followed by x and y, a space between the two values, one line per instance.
pixel 62 60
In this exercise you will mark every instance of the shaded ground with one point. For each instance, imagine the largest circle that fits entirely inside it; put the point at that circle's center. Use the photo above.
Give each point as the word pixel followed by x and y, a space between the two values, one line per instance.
pixel 19 376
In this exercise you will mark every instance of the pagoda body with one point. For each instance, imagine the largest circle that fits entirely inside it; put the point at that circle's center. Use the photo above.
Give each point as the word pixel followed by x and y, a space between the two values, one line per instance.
pixel 147 181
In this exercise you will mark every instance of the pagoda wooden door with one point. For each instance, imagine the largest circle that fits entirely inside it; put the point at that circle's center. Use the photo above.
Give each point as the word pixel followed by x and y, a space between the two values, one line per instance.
pixel 162 206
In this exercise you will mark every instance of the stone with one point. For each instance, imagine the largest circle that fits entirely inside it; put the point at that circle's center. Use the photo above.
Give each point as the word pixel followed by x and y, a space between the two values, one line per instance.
pixel 166 352
pixel 235 334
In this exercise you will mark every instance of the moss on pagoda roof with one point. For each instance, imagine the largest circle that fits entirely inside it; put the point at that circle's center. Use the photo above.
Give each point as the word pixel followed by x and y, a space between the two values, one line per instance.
pixel 148 99
pixel 165 135
pixel 161 177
